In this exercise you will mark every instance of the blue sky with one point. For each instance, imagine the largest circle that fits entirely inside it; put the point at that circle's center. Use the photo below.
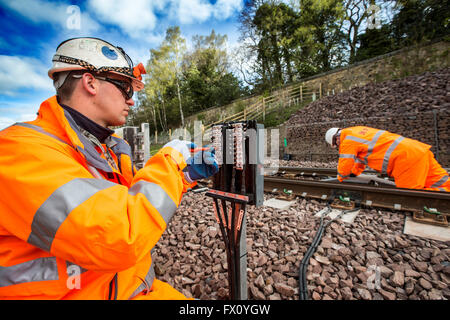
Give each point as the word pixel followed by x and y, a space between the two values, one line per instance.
pixel 32 29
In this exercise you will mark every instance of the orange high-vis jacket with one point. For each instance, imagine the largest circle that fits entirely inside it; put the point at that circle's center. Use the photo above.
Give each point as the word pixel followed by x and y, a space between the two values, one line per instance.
pixel 406 160
pixel 75 224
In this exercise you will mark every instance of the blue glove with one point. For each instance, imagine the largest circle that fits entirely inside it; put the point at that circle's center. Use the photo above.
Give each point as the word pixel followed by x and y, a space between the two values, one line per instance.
pixel 202 165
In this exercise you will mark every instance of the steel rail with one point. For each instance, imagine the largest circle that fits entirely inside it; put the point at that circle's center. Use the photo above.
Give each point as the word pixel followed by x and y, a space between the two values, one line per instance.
pixel 310 171
pixel 370 196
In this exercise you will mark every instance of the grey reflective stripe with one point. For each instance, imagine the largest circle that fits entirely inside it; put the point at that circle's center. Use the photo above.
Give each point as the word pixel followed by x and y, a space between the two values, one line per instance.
pixel 157 197
pixel 91 154
pixel 343 177
pixel 360 140
pixel 39 129
pixel 347 156
pixel 372 144
pixel 40 269
pixel 89 151
pixel 440 182
pixel 59 205
pixel 146 283
pixel 358 160
pixel 387 155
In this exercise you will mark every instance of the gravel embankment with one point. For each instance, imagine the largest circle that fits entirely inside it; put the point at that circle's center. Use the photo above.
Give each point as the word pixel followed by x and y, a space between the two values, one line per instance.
pixel 371 259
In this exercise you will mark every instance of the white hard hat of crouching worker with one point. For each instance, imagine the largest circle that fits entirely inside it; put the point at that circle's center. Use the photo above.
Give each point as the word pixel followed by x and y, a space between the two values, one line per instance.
pixel 96 55
pixel 330 135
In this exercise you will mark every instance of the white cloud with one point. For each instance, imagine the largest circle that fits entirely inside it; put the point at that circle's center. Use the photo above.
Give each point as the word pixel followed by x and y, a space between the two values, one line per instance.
pixel 18 111
pixel 223 9
pixel 194 11
pixel 190 11
pixel 133 17
pixel 142 18
pixel 22 72
pixel 5 122
pixel 41 11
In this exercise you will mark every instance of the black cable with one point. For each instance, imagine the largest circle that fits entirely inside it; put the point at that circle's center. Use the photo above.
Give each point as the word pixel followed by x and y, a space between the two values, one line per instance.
pixel 303 290
pixel 303 284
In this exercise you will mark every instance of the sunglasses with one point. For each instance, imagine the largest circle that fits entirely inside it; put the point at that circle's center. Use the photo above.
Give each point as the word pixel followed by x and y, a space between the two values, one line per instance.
pixel 123 85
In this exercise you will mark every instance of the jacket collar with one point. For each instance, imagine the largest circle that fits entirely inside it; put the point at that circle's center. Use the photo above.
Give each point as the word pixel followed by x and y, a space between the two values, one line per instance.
pixel 51 111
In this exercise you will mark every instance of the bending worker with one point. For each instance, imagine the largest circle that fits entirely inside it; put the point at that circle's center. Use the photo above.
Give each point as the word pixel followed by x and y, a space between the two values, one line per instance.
pixel 77 220
pixel 408 161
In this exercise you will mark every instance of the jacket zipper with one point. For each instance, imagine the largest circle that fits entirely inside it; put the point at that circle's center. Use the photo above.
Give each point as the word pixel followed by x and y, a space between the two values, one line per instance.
pixel 112 284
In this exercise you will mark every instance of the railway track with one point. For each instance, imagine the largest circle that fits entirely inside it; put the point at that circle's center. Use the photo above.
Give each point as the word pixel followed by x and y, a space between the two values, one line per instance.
pixel 430 206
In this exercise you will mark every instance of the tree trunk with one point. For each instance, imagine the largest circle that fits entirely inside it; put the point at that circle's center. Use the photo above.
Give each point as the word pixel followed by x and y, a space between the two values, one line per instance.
pixel 154 116
pixel 179 103
pixel 164 113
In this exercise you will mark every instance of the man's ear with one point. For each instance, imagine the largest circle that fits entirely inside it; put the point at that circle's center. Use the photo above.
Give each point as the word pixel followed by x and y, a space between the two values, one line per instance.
pixel 89 83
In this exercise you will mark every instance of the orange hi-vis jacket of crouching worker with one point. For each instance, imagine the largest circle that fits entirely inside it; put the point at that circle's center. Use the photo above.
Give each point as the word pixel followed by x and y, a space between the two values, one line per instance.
pixel 73 224
pixel 409 162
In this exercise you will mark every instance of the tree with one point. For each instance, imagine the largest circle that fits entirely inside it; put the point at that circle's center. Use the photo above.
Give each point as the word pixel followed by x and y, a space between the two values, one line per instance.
pixel 275 24
pixel 420 20
pixel 207 79
pixel 177 48
pixel 356 12
pixel 321 31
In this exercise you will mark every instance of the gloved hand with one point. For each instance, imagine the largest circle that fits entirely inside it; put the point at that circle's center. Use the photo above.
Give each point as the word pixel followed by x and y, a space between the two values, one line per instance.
pixel 202 165
pixel 181 147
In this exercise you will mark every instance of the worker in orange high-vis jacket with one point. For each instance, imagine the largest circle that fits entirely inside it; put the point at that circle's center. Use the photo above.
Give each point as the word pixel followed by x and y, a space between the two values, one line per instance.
pixel 77 220
pixel 409 162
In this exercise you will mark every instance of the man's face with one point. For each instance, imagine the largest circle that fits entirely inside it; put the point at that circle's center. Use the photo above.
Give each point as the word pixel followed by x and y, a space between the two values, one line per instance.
pixel 112 103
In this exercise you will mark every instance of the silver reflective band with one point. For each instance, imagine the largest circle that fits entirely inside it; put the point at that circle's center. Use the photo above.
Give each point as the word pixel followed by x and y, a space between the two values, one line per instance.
pixel 52 213
pixel 157 197
pixel 353 138
pixel 388 153
pixel 372 144
pixel 440 182
pixel 358 160
pixel 39 129
pixel 40 269
pixel 347 156
pixel 146 283
pixel 343 177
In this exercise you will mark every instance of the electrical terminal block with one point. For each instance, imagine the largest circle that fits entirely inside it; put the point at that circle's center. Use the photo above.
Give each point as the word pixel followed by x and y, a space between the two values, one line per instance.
pixel 217 143
pixel 238 132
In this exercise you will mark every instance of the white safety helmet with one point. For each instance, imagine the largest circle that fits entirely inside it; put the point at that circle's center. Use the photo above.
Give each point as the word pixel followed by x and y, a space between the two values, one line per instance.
pixel 330 134
pixel 95 55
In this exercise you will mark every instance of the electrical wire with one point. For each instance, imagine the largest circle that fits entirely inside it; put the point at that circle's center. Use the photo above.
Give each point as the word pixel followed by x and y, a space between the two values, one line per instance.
pixel 303 284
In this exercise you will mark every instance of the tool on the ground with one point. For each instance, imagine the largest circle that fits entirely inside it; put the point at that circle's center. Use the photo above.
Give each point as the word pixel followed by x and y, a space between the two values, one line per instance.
pixel 239 151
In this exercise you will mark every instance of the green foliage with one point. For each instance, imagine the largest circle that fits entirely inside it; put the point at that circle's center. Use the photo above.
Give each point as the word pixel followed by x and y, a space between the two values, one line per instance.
pixel 374 42
pixel 180 83
pixel 282 42
pixel 416 21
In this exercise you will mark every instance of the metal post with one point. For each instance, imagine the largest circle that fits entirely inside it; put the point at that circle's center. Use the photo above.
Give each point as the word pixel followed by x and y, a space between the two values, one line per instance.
pixel 145 128
pixel 243 260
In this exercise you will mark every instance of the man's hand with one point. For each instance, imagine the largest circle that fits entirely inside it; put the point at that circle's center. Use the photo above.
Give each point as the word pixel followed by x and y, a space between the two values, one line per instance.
pixel 201 165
